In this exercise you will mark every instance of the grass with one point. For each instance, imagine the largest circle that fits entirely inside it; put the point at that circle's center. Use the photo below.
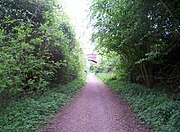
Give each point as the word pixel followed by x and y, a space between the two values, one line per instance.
pixel 153 106
pixel 33 112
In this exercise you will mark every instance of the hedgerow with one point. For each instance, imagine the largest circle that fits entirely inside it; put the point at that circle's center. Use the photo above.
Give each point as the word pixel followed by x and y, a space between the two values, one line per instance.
pixel 37 47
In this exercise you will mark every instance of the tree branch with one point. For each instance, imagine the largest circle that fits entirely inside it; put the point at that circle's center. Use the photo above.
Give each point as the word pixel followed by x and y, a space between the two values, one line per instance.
pixel 176 20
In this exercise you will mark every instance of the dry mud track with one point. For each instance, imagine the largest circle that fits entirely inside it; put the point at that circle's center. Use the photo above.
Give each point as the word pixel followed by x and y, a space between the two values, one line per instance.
pixel 96 109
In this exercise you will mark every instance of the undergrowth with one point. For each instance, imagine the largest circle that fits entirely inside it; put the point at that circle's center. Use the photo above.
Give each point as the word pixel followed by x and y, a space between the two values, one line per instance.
pixel 153 106
pixel 34 111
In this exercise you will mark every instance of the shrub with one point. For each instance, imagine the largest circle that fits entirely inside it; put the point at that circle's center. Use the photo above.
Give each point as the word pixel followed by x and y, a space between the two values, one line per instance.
pixel 155 107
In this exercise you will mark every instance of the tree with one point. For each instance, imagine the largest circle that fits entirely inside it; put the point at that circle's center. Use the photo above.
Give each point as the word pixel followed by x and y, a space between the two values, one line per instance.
pixel 143 33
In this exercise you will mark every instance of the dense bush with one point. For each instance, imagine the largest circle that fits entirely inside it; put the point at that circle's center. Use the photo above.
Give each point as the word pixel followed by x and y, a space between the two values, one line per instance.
pixel 153 106
pixel 31 113
pixel 37 46
pixel 141 36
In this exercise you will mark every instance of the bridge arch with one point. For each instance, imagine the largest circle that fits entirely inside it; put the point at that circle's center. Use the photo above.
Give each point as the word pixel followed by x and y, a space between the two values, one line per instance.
pixel 92 57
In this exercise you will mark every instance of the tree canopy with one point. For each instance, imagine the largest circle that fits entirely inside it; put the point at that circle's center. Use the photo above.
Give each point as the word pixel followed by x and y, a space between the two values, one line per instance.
pixel 145 36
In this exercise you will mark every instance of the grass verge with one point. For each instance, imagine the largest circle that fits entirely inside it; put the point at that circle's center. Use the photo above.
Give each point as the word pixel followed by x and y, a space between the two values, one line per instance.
pixel 153 106
pixel 33 112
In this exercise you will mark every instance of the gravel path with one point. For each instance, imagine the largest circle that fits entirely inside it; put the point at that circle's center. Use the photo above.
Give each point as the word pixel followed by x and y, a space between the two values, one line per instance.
pixel 96 109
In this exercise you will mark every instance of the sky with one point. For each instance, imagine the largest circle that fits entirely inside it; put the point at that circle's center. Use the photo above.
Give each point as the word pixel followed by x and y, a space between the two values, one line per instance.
pixel 78 12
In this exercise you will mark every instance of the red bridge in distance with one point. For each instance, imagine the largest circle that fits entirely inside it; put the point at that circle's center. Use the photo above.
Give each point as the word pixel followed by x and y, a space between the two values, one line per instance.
pixel 92 57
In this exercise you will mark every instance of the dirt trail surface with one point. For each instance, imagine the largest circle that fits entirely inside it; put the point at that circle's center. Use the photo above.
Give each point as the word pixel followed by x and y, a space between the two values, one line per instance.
pixel 96 109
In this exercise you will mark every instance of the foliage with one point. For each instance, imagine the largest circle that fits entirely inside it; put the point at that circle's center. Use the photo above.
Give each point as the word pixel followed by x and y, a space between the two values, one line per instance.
pixel 34 111
pixel 20 67
pixel 153 106
pixel 104 65
pixel 143 34
pixel 38 46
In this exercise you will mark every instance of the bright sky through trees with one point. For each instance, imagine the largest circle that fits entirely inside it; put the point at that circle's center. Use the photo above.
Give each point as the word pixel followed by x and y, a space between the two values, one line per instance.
pixel 78 12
